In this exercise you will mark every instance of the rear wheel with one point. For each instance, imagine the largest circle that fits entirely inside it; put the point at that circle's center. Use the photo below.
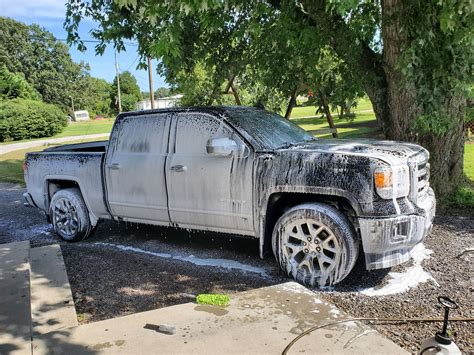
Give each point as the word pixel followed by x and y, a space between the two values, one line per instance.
pixel 70 216
pixel 315 244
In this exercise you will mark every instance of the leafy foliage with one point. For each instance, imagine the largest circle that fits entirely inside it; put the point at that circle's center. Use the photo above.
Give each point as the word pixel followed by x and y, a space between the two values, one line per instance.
pixel 24 119
pixel 44 61
pixel 92 94
pixel 413 59
pixel 14 85
pixel 46 66
pixel 129 90
pixel 261 51
pixel 162 92
pixel 439 58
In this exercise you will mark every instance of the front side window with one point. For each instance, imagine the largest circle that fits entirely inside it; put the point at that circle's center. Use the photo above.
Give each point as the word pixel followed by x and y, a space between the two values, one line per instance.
pixel 194 130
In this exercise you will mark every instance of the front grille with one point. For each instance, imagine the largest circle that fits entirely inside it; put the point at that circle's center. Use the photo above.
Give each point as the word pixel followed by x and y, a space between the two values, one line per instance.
pixel 420 175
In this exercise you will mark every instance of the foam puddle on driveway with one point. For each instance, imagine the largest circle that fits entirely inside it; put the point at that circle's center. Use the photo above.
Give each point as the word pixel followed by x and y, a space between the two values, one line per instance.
pixel 400 282
pixel 222 263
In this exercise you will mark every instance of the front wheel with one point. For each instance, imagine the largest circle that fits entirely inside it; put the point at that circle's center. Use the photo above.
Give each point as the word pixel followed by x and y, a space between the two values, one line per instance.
pixel 70 216
pixel 315 244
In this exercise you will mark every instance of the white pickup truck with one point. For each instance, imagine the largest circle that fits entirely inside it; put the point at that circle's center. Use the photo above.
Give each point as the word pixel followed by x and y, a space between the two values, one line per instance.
pixel 312 202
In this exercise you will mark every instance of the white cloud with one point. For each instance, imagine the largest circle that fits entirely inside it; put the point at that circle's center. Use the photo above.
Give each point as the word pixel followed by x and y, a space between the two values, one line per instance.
pixel 33 9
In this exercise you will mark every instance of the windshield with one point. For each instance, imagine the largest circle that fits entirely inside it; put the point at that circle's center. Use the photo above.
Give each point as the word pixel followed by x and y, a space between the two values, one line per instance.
pixel 268 129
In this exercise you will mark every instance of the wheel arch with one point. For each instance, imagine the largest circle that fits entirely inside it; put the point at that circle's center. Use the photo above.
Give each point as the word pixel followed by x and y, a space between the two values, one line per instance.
pixel 279 202
pixel 52 184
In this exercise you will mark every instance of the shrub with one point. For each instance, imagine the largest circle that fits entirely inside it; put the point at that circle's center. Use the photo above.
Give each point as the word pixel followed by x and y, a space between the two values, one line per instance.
pixel 13 85
pixel 24 119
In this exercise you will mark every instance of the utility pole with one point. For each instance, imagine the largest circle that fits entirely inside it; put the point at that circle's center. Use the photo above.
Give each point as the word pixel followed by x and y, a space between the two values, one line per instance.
pixel 72 103
pixel 117 71
pixel 150 82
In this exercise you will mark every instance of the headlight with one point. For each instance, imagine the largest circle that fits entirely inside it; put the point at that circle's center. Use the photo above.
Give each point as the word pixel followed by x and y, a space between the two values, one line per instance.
pixel 392 182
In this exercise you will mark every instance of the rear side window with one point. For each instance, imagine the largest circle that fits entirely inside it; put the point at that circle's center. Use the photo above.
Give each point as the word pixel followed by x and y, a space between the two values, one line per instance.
pixel 143 134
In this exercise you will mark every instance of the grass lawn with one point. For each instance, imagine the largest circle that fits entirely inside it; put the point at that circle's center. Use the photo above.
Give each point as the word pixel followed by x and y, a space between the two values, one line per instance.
pixel 11 164
pixel 363 126
pixel 88 127
pixel 304 111
pixel 464 196
pixel 79 129
pixel 469 161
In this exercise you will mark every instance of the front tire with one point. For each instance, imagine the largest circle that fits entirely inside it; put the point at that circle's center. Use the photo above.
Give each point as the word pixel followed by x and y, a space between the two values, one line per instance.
pixel 70 216
pixel 315 244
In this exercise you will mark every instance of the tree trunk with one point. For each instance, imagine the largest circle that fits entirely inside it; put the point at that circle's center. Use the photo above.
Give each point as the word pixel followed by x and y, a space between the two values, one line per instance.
pixel 327 112
pixel 229 84
pixel 446 150
pixel 235 92
pixel 212 97
pixel 401 96
pixel 292 103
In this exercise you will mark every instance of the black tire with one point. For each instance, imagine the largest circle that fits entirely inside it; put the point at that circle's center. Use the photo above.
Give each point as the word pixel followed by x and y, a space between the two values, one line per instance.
pixel 315 244
pixel 70 216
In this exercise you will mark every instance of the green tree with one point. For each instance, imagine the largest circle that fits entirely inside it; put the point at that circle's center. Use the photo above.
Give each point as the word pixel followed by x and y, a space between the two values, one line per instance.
pixel 14 85
pixel 92 94
pixel 412 58
pixel 129 90
pixel 44 61
pixel 162 92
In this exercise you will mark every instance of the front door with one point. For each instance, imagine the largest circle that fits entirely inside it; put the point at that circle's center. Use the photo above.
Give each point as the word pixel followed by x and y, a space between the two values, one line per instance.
pixel 207 191
pixel 134 168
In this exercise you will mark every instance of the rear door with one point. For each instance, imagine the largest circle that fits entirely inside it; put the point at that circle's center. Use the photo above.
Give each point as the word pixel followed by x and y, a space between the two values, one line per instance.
pixel 134 168
pixel 207 191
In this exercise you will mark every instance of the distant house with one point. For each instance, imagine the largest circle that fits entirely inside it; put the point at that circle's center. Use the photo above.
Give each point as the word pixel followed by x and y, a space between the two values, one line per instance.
pixel 162 102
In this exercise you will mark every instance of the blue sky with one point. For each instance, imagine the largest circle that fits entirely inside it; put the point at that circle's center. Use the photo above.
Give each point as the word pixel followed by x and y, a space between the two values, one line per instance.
pixel 50 15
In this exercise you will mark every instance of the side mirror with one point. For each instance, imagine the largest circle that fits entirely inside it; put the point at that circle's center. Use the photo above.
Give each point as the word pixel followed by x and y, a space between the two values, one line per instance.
pixel 222 147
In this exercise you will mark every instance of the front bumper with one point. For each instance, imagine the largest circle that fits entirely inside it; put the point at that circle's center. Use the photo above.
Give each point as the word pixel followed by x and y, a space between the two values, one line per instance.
pixel 389 241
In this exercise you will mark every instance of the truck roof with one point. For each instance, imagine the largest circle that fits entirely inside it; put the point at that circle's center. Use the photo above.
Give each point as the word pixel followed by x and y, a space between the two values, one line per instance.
pixel 202 109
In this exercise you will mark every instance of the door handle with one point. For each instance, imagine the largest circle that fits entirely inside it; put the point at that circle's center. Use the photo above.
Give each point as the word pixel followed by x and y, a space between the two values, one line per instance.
pixel 114 166
pixel 178 168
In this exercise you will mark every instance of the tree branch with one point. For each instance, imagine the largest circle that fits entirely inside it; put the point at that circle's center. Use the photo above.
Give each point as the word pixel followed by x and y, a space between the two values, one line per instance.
pixel 367 64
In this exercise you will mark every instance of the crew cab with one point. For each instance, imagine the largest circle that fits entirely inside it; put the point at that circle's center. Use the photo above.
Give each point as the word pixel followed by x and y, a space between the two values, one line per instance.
pixel 313 203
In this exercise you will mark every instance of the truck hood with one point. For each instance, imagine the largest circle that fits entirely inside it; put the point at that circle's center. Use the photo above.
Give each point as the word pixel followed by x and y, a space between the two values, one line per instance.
pixel 391 152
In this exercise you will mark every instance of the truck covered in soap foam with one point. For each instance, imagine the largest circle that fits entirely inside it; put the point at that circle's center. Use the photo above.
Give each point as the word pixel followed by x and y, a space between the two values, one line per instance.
pixel 314 203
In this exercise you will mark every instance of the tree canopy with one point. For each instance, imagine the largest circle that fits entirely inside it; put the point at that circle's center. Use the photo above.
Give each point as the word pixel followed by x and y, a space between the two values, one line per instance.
pixel 44 61
pixel 162 92
pixel 129 90
pixel 14 85
pixel 43 64
pixel 412 58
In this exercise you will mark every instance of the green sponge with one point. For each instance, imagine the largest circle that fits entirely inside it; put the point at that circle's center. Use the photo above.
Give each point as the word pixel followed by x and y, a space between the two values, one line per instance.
pixel 213 299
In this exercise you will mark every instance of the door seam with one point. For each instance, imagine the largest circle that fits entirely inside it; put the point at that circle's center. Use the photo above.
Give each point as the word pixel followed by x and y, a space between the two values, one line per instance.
pixel 164 167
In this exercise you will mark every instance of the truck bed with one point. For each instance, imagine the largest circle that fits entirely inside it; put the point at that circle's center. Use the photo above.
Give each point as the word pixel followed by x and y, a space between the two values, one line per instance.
pixel 97 146
pixel 79 163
